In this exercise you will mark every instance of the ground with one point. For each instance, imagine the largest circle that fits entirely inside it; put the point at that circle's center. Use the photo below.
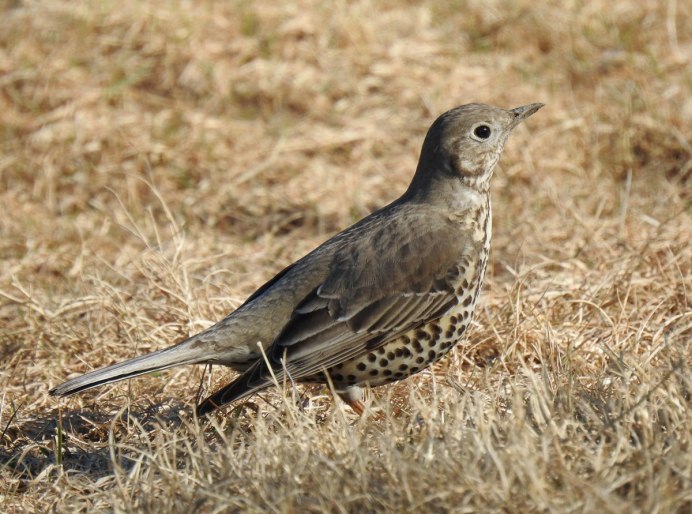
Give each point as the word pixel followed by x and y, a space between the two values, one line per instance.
pixel 160 160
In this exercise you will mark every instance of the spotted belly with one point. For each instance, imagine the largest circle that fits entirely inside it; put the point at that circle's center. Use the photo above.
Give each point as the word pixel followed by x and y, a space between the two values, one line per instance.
pixel 413 351
pixel 418 348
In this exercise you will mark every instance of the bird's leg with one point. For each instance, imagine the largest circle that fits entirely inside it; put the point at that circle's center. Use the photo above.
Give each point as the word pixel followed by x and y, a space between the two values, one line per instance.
pixel 353 396
pixel 357 406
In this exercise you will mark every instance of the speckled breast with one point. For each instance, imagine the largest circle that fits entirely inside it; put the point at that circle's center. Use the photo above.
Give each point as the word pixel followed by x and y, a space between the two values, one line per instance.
pixel 419 348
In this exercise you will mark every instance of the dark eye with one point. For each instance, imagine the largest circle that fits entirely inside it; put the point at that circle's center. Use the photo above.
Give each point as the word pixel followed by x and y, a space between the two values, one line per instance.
pixel 482 131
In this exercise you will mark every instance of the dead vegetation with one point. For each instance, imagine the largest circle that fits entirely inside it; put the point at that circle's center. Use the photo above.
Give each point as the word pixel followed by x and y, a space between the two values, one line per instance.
pixel 160 160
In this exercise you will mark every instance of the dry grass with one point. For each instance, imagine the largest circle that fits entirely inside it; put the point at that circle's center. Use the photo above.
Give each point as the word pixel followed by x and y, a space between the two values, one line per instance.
pixel 160 160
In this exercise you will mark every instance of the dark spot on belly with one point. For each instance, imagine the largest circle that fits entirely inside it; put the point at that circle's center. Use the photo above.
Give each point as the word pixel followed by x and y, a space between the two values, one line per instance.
pixel 403 367
pixel 390 356
pixel 361 366
pixel 422 334
pixel 372 357
pixel 351 378
pixel 384 363
pixel 420 360
pixel 374 372
pixel 432 354
pixel 387 372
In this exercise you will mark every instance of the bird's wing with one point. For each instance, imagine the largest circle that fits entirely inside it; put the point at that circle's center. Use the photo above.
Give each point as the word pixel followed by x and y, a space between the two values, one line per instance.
pixel 393 277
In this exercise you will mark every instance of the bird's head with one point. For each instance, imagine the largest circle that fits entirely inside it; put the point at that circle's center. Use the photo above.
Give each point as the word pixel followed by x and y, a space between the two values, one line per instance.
pixel 467 141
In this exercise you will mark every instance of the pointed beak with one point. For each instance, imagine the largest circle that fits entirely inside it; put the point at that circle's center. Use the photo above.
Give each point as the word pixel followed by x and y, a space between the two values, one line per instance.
pixel 523 112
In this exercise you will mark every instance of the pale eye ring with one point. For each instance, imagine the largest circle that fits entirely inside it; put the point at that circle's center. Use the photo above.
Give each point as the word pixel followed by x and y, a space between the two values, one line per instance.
pixel 482 132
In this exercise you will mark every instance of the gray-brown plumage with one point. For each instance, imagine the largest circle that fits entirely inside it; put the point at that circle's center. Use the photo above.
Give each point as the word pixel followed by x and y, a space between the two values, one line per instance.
pixel 377 302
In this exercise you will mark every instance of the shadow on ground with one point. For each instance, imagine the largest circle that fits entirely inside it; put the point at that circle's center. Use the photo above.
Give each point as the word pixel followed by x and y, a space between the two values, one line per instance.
pixel 29 447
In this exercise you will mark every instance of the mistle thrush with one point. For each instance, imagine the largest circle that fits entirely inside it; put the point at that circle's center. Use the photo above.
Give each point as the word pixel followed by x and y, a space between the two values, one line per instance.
pixel 380 301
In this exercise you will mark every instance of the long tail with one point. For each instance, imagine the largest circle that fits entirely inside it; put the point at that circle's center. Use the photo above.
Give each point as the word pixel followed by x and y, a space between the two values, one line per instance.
pixel 177 355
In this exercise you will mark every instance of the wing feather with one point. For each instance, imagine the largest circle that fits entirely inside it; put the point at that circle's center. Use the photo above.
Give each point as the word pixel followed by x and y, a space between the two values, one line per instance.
pixel 397 279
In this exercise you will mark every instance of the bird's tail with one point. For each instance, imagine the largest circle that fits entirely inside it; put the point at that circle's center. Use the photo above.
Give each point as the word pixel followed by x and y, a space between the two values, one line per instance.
pixel 252 380
pixel 180 354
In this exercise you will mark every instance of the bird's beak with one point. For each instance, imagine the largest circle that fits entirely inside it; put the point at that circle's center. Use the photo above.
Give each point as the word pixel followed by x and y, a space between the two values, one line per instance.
pixel 523 112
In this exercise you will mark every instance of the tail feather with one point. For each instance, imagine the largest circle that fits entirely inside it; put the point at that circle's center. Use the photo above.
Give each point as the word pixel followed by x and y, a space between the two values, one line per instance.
pixel 249 382
pixel 156 361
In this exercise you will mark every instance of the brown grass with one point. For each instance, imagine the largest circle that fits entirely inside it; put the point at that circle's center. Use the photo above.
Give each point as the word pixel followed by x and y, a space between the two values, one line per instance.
pixel 160 160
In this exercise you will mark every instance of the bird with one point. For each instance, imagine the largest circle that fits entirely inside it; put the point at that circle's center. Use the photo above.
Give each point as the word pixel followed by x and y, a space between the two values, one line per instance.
pixel 378 302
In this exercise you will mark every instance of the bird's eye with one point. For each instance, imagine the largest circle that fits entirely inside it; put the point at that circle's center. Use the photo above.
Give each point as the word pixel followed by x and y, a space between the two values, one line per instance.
pixel 482 131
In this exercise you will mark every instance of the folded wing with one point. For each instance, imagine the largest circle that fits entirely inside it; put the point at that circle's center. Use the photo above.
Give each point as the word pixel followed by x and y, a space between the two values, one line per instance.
pixel 400 276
